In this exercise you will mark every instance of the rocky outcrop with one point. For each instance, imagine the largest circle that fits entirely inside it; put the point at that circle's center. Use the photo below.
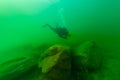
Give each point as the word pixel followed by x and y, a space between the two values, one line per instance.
pixel 90 55
pixel 87 59
pixel 15 68
pixel 57 64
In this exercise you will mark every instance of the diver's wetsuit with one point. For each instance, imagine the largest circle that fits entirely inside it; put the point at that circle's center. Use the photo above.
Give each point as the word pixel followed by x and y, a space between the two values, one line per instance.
pixel 61 31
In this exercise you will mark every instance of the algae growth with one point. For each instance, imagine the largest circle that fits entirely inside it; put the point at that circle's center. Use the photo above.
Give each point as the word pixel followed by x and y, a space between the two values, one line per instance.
pixel 58 62
pixel 93 44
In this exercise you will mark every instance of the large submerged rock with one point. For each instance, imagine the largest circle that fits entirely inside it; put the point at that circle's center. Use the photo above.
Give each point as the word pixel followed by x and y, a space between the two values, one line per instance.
pixel 91 55
pixel 56 65
pixel 87 59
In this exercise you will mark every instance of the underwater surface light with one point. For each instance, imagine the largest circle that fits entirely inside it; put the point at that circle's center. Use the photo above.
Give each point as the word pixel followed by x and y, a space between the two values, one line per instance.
pixel 24 6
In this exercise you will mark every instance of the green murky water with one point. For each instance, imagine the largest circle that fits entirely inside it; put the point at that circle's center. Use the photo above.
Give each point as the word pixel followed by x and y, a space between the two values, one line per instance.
pixel 22 31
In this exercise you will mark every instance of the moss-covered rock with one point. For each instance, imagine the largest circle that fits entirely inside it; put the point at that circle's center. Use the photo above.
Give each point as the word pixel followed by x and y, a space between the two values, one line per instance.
pixel 90 55
pixel 87 59
pixel 56 65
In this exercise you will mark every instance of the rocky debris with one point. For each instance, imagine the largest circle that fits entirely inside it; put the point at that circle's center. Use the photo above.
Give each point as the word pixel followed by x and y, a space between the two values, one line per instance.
pixel 57 64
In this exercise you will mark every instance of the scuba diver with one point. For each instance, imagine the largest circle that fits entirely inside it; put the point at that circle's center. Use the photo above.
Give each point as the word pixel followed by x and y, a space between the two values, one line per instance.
pixel 60 31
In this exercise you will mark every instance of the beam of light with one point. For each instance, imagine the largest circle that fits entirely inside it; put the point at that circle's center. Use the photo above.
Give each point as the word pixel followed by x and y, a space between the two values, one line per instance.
pixel 25 6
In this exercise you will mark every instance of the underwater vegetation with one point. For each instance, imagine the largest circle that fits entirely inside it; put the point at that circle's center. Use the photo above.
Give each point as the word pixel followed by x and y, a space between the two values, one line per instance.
pixel 58 62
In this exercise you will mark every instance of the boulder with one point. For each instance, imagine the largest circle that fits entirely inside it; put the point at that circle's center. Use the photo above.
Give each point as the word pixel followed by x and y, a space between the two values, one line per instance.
pixel 56 65
pixel 90 55
pixel 87 59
